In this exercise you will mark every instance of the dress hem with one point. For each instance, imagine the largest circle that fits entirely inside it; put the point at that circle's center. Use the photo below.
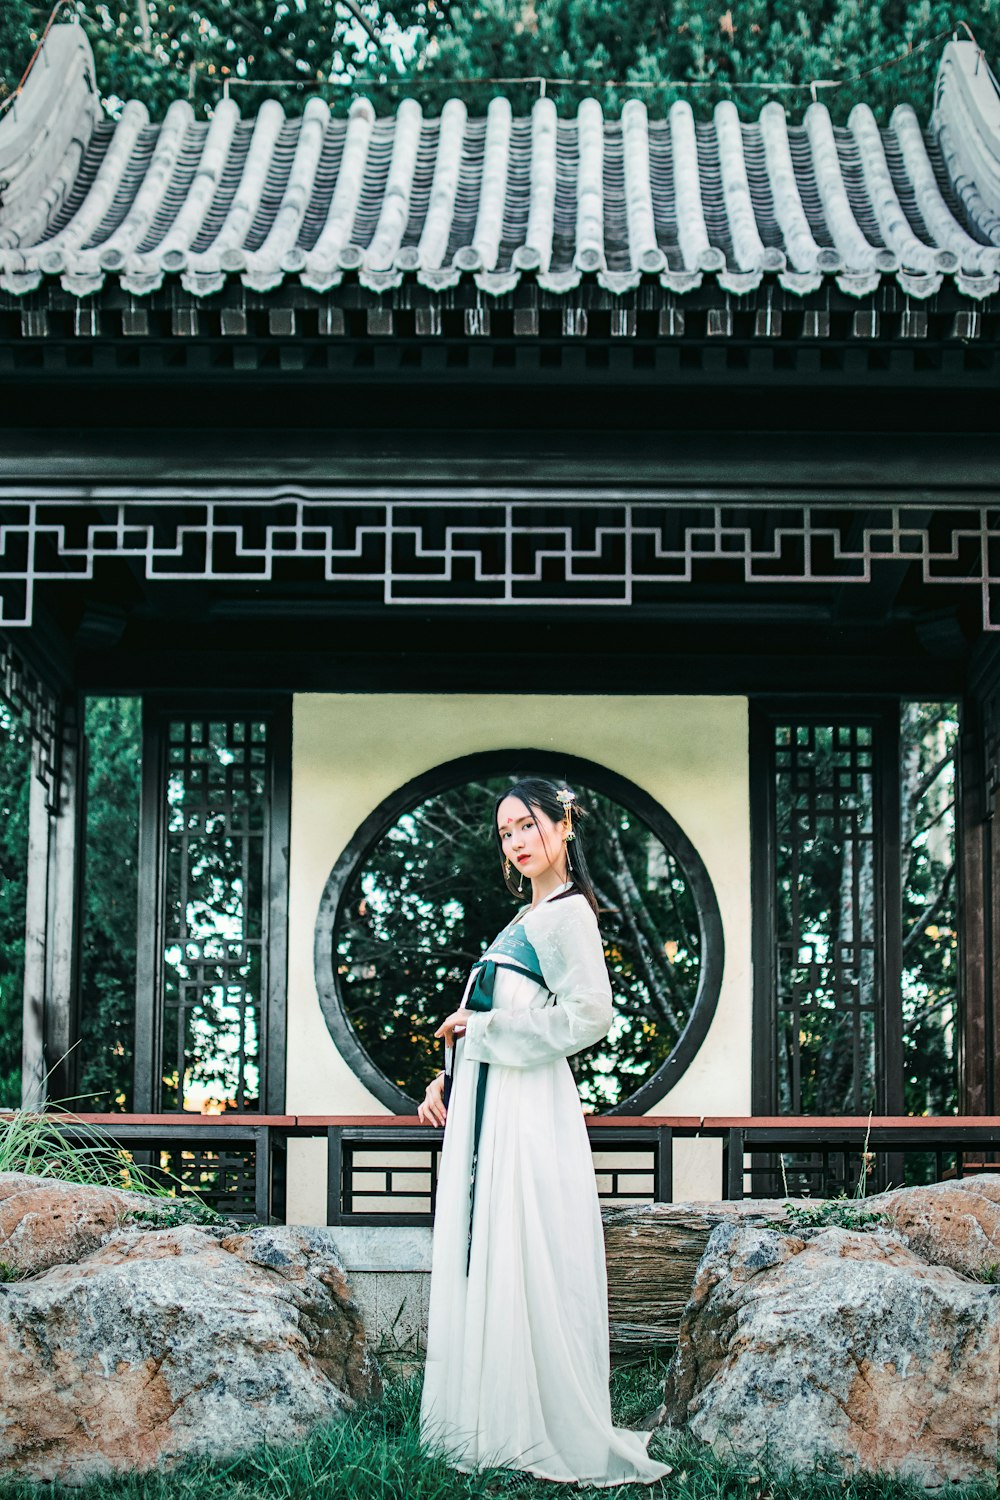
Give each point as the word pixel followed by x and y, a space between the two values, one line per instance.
pixel 603 1484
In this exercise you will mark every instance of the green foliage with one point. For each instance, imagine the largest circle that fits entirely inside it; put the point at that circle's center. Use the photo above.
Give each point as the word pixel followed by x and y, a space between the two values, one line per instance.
pixel 169 1213
pixel 429 898
pixel 842 1212
pixel 928 743
pixel 55 1143
pixel 728 51
pixel 160 50
pixel 108 951
pixel 15 762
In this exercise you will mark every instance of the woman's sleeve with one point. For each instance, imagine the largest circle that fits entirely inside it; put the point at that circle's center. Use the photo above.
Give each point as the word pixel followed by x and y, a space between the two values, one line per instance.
pixel 565 937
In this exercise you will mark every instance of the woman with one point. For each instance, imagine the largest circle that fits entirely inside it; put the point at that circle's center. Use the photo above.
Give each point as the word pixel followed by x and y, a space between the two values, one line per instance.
pixel 517 1347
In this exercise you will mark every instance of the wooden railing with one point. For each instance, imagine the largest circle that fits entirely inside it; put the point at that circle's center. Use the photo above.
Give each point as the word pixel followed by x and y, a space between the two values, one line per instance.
pixel 382 1169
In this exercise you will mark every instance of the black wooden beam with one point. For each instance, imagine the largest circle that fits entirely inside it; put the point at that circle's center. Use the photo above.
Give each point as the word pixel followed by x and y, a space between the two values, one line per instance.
pixel 587 671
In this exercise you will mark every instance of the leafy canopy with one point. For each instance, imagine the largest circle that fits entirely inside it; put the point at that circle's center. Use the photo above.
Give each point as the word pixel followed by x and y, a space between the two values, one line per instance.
pixel 160 50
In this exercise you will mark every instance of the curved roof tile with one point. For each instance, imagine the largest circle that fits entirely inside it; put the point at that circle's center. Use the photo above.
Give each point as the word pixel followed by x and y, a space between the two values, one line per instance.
pixel 499 198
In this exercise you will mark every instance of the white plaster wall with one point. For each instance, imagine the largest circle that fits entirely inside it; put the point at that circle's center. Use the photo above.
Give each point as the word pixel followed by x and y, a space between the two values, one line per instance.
pixel 351 751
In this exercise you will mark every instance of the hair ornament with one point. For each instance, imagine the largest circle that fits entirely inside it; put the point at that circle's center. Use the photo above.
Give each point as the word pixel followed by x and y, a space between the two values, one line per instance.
pixel 567 798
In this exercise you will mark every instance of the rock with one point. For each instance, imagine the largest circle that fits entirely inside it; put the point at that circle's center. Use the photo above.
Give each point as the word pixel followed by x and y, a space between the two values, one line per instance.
pixel 954 1224
pixel 838 1346
pixel 653 1250
pixel 164 1344
pixel 47 1222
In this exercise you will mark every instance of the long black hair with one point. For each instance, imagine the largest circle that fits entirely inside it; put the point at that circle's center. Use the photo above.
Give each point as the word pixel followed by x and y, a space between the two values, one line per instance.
pixel 538 794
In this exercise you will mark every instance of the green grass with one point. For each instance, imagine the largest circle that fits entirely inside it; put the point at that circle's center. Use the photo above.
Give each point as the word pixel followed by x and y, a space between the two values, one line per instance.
pixel 54 1142
pixel 374 1454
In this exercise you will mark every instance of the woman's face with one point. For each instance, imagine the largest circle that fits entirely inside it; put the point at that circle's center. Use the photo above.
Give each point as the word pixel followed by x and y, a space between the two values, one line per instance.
pixel 531 841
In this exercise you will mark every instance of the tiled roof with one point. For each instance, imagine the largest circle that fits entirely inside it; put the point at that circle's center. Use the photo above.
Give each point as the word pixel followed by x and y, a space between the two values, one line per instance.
pixel 496 199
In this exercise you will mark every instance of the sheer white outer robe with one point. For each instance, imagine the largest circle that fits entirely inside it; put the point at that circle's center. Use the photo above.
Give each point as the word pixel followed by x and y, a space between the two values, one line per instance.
pixel 517 1352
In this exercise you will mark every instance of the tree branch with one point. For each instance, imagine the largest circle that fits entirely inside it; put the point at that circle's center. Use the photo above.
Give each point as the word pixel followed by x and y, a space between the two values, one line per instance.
pixel 927 914
pixel 933 822
pixel 362 20
pixel 929 777
pixel 911 1026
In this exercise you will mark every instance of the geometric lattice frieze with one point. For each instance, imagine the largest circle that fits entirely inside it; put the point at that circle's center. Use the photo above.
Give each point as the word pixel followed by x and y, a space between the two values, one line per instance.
pixel 489 546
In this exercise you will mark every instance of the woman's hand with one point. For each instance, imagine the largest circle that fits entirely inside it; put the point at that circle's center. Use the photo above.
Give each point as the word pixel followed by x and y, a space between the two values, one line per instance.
pixel 453 1025
pixel 432 1110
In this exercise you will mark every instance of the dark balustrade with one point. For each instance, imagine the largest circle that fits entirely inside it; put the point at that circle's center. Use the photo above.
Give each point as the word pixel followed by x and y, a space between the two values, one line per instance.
pixel 238 1162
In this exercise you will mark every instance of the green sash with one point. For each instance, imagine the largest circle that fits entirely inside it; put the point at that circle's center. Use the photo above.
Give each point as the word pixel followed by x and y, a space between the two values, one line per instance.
pixel 511 950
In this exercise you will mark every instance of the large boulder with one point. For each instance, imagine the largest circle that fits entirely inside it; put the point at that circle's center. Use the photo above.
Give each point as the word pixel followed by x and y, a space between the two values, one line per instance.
pixel 163 1344
pixel 842 1347
pixel 45 1221
pixel 954 1223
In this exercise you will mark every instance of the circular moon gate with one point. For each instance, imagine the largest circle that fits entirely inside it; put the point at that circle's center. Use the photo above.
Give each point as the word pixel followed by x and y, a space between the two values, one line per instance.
pixel 417 894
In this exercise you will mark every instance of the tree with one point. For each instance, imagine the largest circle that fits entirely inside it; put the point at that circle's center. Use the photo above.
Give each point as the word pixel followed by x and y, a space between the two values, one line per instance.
pixel 159 50
pixel 929 743
pixel 110 893
pixel 721 48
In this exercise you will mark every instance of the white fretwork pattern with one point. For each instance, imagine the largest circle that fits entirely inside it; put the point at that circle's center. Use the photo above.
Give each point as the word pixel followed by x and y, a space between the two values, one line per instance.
pixel 488 548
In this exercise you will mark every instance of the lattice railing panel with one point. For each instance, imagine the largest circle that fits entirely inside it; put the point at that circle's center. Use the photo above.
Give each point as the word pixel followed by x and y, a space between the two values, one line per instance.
pixel 224 1177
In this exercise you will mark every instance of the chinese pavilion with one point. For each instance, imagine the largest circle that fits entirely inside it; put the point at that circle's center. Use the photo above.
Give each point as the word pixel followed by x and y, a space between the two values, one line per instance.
pixel 376 454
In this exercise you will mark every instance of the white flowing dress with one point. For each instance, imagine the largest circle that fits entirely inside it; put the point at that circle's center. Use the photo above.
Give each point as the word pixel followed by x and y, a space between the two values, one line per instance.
pixel 517 1350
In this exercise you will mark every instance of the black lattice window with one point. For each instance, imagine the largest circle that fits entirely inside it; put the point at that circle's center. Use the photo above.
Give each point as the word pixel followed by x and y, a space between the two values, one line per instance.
pixel 214 870
pixel 826 922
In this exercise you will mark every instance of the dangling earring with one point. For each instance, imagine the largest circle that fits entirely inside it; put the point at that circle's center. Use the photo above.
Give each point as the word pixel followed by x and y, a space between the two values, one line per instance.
pixel 506 871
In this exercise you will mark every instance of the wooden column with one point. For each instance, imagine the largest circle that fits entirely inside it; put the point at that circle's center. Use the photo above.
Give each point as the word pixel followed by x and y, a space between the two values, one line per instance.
pixel 35 934
pixel 51 943
pixel 979 896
